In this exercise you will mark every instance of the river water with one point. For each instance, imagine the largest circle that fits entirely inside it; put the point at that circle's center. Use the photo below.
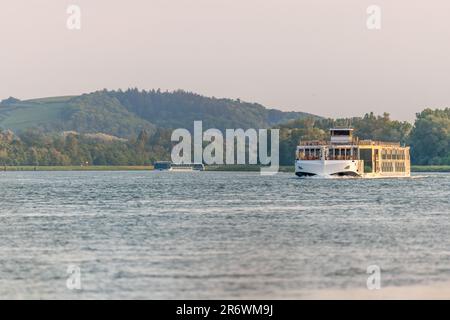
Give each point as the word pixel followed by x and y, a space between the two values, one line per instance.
pixel 217 235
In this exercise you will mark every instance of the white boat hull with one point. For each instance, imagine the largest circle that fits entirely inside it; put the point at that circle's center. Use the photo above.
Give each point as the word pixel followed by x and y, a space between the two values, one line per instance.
pixel 327 168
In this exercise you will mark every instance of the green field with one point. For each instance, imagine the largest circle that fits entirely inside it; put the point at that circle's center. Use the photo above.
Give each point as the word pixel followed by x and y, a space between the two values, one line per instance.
pixel 29 114
pixel 61 99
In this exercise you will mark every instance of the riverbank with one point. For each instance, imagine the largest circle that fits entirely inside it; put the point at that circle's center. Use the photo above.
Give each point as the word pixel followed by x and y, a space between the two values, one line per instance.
pixel 75 168
pixel 430 168
pixel 243 168
pixel 439 291
pixel 291 168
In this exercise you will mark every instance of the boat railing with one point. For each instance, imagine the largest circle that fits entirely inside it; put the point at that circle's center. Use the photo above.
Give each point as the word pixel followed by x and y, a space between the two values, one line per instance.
pixel 354 142
pixel 342 157
pixel 314 143
pixel 308 157
pixel 378 143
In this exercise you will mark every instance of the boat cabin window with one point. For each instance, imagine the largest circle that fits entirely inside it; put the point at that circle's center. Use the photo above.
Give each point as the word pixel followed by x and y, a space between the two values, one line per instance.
pixel 389 154
pixel 309 154
pixel 347 153
pixel 342 154
pixel 396 154
pixel 341 132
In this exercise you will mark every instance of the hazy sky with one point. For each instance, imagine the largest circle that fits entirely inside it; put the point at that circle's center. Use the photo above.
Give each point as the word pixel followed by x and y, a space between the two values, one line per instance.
pixel 316 56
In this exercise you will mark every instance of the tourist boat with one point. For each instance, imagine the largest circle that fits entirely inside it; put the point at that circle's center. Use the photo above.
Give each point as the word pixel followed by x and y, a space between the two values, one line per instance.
pixel 169 166
pixel 346 155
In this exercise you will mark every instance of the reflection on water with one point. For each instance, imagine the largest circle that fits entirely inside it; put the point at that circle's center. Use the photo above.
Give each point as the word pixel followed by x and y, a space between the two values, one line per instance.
pixel 217 234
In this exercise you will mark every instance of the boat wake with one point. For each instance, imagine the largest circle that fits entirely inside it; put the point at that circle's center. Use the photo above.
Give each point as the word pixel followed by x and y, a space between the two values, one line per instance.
pixel 419 177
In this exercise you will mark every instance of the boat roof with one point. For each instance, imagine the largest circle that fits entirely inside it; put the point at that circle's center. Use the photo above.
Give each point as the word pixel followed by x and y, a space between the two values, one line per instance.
pixel 342 129
pixel 356 143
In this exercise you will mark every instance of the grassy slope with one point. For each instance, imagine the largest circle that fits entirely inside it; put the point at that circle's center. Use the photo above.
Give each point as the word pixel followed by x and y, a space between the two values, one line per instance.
pixel 52 114
pixel 30 114
pixel 51 99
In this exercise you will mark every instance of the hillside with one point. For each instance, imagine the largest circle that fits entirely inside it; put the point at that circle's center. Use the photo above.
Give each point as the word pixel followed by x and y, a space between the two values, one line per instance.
pixel 88 114
pixel 125 113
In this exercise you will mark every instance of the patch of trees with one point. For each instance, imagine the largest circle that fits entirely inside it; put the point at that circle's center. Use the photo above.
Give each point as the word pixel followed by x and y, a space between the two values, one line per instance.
pixel 9 101
pixel 101 112
pixel 34 147
pixel 430 137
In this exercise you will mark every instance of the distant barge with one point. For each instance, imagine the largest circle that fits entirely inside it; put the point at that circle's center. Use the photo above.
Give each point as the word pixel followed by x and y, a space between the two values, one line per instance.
pixel 346 155
pixel 169 166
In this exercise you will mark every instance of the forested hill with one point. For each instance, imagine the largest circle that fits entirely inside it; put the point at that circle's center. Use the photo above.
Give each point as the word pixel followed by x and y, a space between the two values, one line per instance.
pixel 126 113
pixel 180 108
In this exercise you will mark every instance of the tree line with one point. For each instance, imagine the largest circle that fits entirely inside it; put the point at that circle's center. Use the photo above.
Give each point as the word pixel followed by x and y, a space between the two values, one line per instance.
pixel 37 148
pixel 429 139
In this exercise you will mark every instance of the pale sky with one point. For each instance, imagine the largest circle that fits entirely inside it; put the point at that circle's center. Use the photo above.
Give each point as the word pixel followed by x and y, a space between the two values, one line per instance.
pixel 316 56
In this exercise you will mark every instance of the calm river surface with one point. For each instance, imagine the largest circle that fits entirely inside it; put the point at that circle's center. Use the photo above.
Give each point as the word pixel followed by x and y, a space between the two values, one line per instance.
pixel 163 235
